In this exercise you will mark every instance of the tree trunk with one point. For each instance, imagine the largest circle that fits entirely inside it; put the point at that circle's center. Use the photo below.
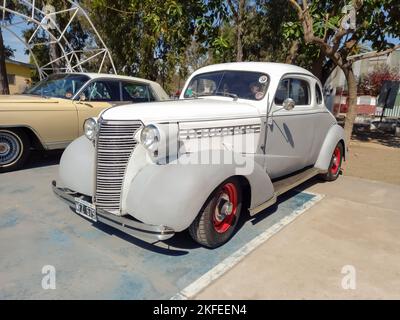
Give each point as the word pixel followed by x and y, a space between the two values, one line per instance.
pixel 239 31
pixel 317 66
pixel 293 52
pixel 239 55
pixel 54 53
pixel 352 111
pixel 4 88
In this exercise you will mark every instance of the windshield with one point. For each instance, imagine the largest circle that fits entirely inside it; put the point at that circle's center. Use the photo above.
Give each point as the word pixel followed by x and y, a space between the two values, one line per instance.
pixel 59 86
pixel 240 84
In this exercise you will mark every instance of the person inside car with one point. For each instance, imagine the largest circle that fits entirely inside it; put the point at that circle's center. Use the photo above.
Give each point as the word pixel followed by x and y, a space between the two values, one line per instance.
pixel 256 92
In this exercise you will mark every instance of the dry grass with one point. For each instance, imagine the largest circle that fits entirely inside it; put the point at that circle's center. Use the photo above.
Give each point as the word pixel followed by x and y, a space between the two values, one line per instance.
pixel 375 158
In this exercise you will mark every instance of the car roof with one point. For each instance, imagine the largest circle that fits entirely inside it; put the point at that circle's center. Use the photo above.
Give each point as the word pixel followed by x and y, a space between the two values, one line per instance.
pixel 93 75
pixel 271 68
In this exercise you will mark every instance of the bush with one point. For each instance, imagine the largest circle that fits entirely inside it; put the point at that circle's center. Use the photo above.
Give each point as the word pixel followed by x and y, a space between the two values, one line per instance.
pixel 371 83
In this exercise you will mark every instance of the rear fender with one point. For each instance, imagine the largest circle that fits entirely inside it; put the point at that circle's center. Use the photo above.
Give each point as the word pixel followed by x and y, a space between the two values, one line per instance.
pixel 333 137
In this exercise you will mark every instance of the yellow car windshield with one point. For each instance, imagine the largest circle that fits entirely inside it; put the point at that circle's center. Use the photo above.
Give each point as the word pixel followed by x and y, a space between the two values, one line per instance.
pixel 59 86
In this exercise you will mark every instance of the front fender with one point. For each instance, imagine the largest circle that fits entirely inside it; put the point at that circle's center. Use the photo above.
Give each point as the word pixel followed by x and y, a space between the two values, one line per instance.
pixel 173 194
pixel 334 135
pixel 77 167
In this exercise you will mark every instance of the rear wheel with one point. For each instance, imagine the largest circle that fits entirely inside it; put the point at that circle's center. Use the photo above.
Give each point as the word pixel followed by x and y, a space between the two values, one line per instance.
pixel 219 216
pixel 335 165
pixel 14 149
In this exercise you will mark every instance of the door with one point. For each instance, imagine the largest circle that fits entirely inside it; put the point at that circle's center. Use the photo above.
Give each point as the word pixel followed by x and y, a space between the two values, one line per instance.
pixel 97 96
pixel 290 134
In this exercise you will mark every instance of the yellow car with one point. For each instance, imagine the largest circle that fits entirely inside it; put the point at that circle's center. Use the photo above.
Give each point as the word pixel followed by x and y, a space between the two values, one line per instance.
pixel 51 114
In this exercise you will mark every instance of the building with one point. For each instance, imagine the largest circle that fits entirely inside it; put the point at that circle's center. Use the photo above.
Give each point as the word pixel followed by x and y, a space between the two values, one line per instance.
pixel 335 87
pixel 19 75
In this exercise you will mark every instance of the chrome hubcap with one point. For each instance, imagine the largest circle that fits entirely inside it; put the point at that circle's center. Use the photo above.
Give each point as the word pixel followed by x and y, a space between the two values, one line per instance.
pixel 223 208
pixel 10 148
pixel 4 148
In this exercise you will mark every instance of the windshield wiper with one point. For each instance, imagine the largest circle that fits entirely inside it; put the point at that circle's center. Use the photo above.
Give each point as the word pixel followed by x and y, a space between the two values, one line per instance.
pixel 219 93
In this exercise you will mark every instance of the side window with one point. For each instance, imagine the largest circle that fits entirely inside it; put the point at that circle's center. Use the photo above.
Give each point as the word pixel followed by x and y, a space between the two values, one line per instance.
pixel 136 92
pixel 300 92
pixel 282 93
pixel 102 91
pixel 318 93
pixel 297 89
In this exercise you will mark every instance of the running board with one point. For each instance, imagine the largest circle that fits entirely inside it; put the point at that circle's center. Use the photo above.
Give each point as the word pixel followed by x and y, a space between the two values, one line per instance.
pixel 284 185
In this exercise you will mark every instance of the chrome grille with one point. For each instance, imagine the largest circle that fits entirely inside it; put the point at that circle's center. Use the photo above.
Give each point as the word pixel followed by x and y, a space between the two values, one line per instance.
pixel 115 144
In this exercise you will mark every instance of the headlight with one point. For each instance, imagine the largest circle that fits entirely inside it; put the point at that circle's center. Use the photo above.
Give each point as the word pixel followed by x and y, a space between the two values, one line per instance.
pixel 150 137
pixel 90 128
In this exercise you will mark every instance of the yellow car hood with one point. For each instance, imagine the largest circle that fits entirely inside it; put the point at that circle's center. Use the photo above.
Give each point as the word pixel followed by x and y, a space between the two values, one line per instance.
pixel 27 102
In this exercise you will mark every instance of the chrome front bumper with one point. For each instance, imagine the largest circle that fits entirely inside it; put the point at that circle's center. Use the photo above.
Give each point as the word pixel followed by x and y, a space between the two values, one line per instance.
pixel 131 227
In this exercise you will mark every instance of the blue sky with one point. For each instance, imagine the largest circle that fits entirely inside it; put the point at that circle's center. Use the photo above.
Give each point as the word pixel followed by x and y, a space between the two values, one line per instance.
pixel 14 43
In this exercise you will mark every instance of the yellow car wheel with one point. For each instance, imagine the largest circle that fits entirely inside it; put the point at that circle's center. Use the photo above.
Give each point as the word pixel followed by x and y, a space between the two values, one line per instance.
pixel 14 149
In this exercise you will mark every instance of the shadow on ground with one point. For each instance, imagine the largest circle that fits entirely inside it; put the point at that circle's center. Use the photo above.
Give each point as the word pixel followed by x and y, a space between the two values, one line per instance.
pixel 384 138
pixel 181 244
pixel 40 159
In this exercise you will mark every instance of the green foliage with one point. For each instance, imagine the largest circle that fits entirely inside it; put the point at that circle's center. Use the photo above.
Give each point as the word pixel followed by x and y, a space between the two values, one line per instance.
pixel 165 40
pixel 376 19
pixel 263 35
pixel 292 30
pixel 149 38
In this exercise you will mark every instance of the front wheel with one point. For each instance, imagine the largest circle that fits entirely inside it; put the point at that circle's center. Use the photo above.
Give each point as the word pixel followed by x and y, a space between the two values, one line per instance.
pixel 335 164
pixel 14 149
pixel 219 216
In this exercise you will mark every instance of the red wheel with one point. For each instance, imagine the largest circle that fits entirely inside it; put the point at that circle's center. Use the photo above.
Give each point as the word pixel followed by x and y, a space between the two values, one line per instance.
pixel 335 164
pixel 336 160
pixel 225 208
pixel 217 221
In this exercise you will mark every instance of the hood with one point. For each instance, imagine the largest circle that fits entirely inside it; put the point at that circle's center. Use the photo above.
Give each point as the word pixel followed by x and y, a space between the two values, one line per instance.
pixel 182 110
pixel 23 102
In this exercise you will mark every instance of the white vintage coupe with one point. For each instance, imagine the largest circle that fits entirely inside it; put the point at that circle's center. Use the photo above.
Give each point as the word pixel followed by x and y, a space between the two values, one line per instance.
pixel 240 135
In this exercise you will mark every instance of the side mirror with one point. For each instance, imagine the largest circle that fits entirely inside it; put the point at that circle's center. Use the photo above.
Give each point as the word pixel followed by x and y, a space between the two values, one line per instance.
pixel 82 97
pixel 289 104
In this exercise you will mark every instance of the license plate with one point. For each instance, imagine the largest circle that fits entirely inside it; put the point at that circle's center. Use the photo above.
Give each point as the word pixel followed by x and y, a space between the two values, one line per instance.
pixel 85 209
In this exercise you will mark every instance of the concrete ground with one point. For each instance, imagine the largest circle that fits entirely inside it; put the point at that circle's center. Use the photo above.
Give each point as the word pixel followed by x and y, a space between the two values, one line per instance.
pixel 356 224
pixel 97 262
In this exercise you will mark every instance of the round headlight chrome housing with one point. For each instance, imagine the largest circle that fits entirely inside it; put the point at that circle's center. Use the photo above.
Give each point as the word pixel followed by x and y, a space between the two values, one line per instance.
pixel 90 128
pixel 150 137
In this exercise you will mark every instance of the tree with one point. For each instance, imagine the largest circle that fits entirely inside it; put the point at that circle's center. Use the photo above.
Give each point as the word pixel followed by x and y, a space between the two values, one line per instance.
pixel 4 87
pixel 260 36
pixel 262 32
pixel 5 52
pixel 238 11
pixel 334 29
pixel 156 34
